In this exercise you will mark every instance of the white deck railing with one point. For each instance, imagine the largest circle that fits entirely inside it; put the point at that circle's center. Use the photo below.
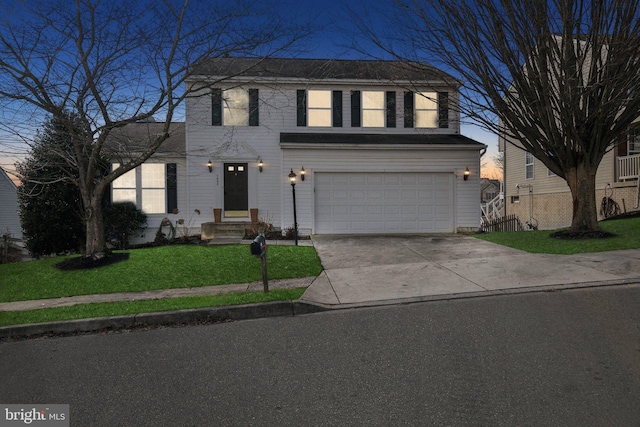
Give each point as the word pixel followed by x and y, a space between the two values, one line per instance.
pixel 628 167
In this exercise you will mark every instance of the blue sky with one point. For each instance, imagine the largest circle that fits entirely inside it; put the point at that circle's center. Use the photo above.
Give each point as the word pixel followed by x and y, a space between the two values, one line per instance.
pixel 334 40
pixel 338 33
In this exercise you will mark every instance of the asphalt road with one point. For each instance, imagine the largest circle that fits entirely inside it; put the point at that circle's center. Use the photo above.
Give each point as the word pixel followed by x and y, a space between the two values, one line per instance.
pixel 558 358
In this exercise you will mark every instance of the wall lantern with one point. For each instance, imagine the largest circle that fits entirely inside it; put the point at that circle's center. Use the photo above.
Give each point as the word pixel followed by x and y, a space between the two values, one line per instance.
pixel 260 164
pixel 210 165
pixel 467 172
pixel 302 173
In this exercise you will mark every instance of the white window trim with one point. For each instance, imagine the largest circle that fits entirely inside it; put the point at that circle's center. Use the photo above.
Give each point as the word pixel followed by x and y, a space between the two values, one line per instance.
pixel 379 109
pixel 235 111
pixel 529 162
pixel 319 114
pixel 428 98
pixel 139 189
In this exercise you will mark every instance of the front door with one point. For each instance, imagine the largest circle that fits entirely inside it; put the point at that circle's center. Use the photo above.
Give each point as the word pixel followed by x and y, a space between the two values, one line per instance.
pixel 236 194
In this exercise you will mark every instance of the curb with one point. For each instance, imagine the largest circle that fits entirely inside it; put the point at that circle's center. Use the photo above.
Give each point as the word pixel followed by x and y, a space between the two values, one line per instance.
pixel 161 318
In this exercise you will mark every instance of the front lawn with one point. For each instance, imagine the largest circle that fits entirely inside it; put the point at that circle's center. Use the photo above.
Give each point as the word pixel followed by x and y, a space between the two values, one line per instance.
pixel 627 236
pixel 177 266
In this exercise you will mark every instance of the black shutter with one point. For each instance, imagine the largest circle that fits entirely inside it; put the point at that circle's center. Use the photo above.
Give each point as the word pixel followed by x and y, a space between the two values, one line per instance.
pixel 216 107
pixel 443 109
pixel 408 109
pixel 301 100
pixel 336 109
pixel 172 187
pixel 355 109
pixel 391 109
pixel 254 111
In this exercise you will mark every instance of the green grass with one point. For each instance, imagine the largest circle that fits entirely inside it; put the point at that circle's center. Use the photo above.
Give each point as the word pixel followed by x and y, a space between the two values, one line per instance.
pixel 82 311
pixel 627 233
pixel 178 266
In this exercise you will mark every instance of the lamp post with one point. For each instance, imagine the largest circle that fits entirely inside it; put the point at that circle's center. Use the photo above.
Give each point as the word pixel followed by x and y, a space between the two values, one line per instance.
pixel 292 179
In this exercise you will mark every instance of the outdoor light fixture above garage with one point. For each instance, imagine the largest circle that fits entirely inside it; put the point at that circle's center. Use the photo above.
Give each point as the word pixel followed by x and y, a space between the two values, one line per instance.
pixel 302 173
pixel 260 164
pixel 210 165
pixel 467 172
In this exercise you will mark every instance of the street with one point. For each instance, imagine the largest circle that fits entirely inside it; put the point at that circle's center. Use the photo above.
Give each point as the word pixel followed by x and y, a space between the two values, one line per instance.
pixel 537 359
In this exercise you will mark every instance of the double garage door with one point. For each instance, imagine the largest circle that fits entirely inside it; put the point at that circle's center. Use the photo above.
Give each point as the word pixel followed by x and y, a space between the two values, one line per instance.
pixel 372 202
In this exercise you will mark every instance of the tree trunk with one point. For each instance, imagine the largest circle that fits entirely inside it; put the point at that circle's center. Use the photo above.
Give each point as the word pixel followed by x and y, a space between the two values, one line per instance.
pixel 582 182
pixel 96 247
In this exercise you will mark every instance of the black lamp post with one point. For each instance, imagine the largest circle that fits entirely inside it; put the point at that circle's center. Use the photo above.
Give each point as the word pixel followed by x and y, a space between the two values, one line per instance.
pixel 292 179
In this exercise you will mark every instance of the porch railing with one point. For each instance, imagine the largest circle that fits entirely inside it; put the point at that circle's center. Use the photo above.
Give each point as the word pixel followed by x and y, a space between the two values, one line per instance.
pixel 628 167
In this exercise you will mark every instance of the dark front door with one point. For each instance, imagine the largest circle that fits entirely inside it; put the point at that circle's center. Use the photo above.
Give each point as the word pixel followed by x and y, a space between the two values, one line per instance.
pixel 236 195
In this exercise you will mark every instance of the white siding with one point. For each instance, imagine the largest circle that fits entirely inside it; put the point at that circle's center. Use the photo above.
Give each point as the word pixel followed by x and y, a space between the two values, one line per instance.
pixel 466 194
pixel 270 191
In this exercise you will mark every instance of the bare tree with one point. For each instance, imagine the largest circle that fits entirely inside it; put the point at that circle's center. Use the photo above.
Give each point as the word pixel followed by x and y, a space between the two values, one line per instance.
pixel 116 63
pixel 558 77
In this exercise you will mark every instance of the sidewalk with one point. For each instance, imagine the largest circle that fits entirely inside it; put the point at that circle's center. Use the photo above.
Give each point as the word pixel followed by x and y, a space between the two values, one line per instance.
pixel 361 271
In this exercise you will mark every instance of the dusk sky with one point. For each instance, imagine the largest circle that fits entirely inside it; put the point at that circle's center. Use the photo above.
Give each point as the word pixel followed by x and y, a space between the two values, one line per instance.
pixel 335 40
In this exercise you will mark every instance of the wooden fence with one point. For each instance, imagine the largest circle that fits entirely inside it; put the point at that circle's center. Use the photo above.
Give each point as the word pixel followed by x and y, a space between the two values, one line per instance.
pixel 507 223
pixel 11 249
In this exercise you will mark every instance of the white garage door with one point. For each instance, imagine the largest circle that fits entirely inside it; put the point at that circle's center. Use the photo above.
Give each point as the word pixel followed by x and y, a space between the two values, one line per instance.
pixel 383 203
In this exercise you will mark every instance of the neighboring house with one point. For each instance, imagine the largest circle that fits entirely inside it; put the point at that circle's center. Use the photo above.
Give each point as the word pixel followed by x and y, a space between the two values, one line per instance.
pixel 489 189
pixel 375 149
pixel 542 199
pixel 9 215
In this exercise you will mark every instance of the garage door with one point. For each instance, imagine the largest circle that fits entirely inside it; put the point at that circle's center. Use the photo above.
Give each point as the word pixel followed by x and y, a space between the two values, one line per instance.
pixel 383 203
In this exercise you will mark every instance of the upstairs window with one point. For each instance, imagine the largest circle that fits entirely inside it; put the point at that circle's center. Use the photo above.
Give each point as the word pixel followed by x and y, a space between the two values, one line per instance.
pixel 375 109
pixel 634 140
pixel 234 107
pixel 529 164
pixel 319 108
pixel 426 110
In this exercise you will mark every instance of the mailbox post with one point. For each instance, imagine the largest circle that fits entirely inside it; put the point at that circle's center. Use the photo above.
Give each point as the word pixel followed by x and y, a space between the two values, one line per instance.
pixel 259 250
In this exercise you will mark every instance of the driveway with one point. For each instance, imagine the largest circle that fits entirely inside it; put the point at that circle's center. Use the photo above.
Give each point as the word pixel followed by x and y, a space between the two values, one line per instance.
pixel 369 270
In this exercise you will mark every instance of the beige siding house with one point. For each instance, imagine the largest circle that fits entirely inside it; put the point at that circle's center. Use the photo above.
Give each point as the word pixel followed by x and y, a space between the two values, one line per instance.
pixel 543 200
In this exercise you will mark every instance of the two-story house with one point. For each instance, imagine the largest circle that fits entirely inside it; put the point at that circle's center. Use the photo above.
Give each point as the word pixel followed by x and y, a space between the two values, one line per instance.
pixel 375 148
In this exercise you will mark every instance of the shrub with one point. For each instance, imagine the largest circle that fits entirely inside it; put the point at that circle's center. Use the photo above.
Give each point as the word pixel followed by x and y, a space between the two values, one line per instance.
pixel 121 221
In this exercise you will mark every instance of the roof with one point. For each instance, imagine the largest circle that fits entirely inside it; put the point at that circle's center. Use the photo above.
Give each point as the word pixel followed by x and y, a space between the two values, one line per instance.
pixel 136 136
pixel 322 69
pixel 373 139
pixel 5 175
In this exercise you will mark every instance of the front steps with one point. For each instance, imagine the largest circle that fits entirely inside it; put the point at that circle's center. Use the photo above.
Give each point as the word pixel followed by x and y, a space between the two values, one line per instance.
pixel 227 230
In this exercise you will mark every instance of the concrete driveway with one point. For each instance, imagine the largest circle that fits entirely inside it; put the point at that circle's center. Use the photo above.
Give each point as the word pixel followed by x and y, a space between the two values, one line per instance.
pixel 368 270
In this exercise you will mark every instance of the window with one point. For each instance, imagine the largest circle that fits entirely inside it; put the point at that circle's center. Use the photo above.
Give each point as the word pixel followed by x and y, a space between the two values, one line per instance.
pixel 373 109
pixel 234 107
pixel 634 140
pixel 426 110
pixel 528 165
pixel 515 199
pixel 151 186
pixel 550 173
pixel 319 108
